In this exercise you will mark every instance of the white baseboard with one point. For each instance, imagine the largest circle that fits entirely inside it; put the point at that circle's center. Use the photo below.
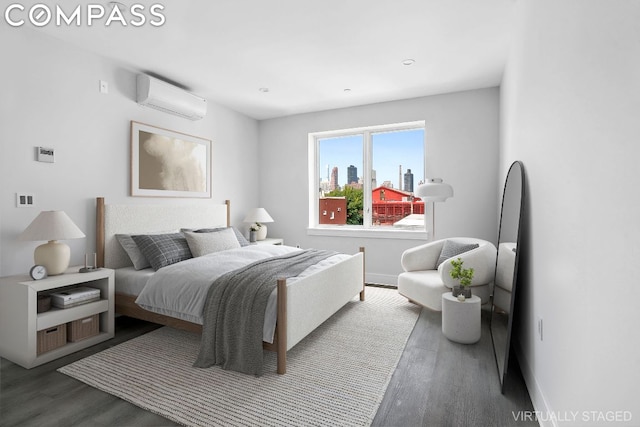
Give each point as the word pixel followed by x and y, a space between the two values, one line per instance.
pixel 535 393
pixel 385 279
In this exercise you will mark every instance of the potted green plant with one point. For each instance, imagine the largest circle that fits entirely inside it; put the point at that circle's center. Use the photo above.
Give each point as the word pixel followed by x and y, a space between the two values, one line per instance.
pixel 464 277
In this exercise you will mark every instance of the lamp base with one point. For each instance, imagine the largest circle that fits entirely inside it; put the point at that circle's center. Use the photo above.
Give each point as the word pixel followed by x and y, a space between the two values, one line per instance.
pixel 55 256
pixel 262 232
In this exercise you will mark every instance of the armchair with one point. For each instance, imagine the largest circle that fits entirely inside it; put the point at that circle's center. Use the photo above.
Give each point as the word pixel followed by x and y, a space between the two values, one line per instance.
pixel 424 282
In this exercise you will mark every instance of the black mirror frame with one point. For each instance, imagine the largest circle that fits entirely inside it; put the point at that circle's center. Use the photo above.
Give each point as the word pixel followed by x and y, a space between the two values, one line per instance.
pixel 503 375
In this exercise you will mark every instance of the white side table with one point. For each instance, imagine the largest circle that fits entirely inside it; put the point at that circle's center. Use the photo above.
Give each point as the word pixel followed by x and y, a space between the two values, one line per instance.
pixel 461 319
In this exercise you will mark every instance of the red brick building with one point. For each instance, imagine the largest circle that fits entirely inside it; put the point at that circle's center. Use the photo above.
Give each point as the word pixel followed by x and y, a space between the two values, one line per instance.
pixel 391 205
pixel 333 210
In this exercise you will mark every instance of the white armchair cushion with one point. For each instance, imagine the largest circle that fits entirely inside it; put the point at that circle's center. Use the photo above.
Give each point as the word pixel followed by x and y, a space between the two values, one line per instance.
pixel 482 260
pixel 423 287
pixel 423 257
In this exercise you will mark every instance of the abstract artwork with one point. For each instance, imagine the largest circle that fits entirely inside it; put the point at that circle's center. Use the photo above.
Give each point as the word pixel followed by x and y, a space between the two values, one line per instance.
pixel 165 163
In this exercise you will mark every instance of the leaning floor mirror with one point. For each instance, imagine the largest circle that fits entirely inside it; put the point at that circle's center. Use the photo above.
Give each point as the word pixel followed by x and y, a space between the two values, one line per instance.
pixel 506 274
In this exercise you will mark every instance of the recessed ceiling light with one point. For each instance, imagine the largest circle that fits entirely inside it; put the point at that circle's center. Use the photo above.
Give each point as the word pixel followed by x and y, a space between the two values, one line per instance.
pixel 408 61
pixel 264 89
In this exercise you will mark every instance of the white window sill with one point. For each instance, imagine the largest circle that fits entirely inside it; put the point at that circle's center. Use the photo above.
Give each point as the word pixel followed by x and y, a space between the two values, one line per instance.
pixel 373 233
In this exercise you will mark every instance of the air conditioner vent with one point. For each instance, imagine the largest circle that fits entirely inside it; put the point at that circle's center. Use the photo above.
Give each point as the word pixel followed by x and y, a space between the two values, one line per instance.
pixel 163 96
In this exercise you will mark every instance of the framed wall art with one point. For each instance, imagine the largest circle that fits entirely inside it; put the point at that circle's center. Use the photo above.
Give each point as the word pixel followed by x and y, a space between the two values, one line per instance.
pixel 165 163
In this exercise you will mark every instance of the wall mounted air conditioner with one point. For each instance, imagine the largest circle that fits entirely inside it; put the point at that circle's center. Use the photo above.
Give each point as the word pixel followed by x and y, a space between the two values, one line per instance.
pixel 171 99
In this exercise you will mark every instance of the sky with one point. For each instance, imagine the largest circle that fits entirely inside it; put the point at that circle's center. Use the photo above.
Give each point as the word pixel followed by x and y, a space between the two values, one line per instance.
pixel 390 149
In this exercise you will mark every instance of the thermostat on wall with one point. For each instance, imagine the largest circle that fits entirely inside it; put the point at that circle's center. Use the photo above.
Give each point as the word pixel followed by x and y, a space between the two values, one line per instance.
pixel 45 154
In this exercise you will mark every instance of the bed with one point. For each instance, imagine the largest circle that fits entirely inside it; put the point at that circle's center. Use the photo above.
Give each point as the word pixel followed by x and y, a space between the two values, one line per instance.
pixel 301 303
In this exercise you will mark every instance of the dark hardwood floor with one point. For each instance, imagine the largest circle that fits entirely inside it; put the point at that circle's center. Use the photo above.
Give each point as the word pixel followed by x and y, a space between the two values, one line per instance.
pixel 442 383
pixel 437 383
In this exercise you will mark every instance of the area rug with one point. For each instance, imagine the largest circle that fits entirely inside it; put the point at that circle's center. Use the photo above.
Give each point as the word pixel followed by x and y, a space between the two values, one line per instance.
pixel 336 376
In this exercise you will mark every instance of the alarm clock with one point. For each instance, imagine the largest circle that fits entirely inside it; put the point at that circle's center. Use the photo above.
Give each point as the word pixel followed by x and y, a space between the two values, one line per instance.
pixel 38 272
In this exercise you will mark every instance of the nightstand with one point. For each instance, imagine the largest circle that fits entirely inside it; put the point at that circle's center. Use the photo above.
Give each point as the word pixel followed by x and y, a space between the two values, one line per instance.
pixel 21 326
pixel 269 241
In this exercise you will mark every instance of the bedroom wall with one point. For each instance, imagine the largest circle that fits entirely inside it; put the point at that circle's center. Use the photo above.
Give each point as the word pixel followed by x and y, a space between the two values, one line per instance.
pixel 570 112
pixel 462 148
pixel 50 98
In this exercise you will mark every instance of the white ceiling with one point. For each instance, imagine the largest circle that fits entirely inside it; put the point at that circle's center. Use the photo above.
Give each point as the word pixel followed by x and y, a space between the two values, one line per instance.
pixel 308 51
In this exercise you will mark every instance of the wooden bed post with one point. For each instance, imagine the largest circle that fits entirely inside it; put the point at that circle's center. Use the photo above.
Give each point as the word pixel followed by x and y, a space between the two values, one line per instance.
pixel 100 231
pixel 281 326
pixel 363 272
pixel 228 203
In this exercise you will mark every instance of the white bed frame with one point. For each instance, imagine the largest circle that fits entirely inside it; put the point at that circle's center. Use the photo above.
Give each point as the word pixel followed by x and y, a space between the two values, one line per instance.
pixel 302 306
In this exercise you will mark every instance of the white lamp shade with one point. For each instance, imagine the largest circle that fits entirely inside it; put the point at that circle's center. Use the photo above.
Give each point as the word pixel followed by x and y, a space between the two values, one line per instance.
pixel 259 215
pixel 52 226
pixel 434 190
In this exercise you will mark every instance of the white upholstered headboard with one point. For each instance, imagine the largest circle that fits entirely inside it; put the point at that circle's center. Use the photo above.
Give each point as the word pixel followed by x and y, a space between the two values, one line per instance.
pixel 140 219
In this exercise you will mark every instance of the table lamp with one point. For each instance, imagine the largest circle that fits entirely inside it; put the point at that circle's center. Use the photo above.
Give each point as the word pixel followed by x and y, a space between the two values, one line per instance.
pixel 52 226
pixel 259 216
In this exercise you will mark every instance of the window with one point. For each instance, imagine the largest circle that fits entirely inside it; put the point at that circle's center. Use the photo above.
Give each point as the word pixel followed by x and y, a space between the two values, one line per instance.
pixel 364 178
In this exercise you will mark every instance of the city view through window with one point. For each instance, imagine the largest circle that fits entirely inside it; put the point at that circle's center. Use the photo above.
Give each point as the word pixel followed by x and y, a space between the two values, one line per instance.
pixel 369 179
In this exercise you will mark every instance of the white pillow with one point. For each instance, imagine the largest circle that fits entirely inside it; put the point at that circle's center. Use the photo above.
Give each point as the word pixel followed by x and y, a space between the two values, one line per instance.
pixel 206 243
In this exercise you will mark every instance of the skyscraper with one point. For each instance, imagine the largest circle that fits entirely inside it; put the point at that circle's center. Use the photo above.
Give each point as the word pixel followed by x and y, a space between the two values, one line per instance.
pixel 408 181
pixel 352 175
pixel 334 179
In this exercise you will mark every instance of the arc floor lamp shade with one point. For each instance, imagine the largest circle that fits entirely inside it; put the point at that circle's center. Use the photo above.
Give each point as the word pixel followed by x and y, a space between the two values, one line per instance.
pixel 434 190
pixel 52 226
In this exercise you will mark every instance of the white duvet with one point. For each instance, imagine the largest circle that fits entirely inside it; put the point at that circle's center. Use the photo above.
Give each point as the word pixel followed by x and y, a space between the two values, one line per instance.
pixel 179 290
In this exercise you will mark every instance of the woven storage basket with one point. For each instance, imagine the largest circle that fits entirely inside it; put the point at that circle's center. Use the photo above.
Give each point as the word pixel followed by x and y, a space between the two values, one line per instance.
pixel 52 338
pixel 83 328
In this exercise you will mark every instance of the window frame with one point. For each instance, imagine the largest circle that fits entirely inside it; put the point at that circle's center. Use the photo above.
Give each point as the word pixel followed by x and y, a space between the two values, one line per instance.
pixel 366 229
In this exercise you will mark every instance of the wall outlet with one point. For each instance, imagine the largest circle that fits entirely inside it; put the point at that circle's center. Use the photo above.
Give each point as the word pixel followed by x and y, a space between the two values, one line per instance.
pixel 25 200
pixel 539 327
pixel 104 87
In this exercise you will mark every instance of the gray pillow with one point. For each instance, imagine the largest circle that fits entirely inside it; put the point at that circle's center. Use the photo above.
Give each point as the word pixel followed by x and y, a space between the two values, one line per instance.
pixel 163 249
pixel 206 243
pixel 130 247
pixel 451 249
pixel 137 259
pixel 241 239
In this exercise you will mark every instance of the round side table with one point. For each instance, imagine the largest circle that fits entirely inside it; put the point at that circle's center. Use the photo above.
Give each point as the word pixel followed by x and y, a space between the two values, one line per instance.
pixel 461 319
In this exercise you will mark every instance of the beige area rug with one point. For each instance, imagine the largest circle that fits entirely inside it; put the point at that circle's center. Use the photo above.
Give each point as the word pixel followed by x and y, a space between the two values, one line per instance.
pixel 336 376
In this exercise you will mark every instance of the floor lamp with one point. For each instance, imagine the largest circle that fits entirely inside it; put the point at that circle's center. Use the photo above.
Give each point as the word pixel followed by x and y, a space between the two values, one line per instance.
pixel 434 190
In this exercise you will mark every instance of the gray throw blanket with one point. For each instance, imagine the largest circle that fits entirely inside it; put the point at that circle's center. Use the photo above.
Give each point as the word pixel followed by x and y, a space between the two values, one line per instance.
pixel 235 306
